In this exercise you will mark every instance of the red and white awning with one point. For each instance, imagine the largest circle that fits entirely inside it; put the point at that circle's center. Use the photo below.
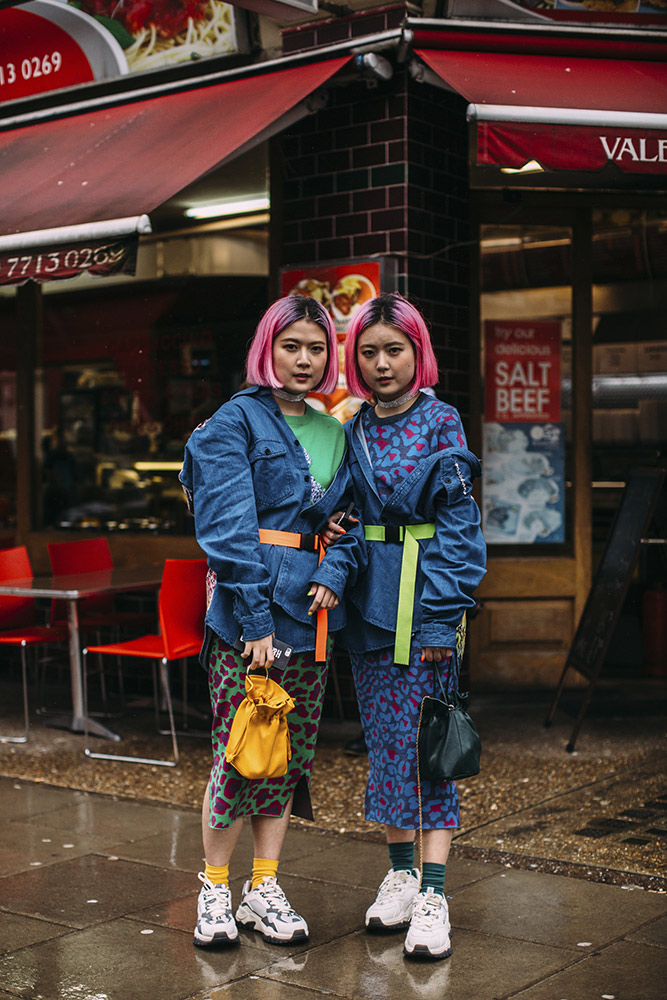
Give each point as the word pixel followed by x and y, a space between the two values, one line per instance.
pixel 561 112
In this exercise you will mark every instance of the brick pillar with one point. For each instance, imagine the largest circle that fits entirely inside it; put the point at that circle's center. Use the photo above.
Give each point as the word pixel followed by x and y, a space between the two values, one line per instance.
pixel 383 171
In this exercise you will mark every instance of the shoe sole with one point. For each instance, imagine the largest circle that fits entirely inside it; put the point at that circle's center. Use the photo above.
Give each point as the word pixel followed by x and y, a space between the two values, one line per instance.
pixel 422 954
pixel 255 924
pixel 217 941
pixel 377 926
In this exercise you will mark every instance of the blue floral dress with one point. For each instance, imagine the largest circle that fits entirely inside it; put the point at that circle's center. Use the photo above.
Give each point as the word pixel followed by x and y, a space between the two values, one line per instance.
pixel 390 695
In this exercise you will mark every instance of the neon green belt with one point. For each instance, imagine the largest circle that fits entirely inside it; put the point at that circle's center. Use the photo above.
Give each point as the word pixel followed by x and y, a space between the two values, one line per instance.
pixel 407 535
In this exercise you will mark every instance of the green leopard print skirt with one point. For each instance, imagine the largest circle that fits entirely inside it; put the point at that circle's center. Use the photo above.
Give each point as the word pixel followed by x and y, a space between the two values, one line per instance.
pixel 230 794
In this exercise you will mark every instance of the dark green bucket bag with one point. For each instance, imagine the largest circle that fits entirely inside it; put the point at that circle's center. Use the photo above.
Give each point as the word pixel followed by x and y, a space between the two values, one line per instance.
pixel 448 744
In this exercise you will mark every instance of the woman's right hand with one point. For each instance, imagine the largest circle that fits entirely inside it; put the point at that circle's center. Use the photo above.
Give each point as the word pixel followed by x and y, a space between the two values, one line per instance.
pixel 333 530
pixel 261 651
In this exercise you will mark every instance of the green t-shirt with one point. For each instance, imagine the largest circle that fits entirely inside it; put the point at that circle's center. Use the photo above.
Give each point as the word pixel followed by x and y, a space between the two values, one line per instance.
pixel 323 440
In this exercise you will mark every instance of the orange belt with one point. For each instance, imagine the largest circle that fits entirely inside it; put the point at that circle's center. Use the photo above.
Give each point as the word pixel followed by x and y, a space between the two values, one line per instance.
pixel 311 543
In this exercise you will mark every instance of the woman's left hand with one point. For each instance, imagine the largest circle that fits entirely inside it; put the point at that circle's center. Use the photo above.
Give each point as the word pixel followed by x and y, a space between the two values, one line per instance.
pixel 435 653
pixel 323 598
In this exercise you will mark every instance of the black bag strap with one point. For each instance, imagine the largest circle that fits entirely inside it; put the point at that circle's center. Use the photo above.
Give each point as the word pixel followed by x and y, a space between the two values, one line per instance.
pixel 442 694
pixel 458 699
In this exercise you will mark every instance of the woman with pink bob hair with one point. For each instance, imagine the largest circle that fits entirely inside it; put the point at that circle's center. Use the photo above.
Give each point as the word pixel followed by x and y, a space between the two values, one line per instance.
pixel 262 477
pixel 281 314
pixel 405 630
pixel 392 310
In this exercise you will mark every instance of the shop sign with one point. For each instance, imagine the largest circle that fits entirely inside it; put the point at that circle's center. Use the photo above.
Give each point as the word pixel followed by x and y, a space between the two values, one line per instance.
pixel 49 44
pixel 46 45
pixel 523 446
pixel 342 289
pixel 576 11
pixel 522 371
pixel 98 257
pixel 571 147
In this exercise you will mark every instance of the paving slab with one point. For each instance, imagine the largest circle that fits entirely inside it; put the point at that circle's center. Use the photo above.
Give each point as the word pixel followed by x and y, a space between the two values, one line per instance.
pixel 367 967
pixel 123 960
pixel 654 932
pixel 549 910
pixel 26 799
pixel 89 890
pixel 624 971
pixel 18 932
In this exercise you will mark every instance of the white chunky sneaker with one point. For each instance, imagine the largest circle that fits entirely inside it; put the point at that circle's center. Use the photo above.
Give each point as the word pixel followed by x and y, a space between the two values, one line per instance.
pixel 215 922
pixel 266 909
pixel 392 908
pixel 429 935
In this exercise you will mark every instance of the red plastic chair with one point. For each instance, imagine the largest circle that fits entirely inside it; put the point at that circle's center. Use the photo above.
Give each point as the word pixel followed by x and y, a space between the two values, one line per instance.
pixel 181 607
pixel 17 619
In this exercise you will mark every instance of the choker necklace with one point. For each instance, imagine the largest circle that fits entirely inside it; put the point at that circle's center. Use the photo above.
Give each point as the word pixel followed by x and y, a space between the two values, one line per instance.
pixel 291 397
pixel 392 403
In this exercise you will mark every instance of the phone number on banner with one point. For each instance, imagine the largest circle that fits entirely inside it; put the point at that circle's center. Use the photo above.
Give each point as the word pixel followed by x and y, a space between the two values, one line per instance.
pixel 30 68
pixel 109 258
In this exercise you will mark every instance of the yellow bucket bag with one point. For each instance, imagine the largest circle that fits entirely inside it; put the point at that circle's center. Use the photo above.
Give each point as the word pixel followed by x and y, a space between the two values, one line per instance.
pixel 259 741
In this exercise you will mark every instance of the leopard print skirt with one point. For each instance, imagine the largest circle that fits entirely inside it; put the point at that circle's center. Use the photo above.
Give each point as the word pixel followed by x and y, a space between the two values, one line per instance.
pixel 231 795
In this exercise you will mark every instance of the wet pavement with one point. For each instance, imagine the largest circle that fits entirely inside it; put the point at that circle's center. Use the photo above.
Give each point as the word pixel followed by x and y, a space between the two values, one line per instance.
pixel 557 883
pixel 98 897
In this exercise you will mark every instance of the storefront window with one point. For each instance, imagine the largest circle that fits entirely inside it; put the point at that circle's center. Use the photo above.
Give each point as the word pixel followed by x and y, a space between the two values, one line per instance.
pixel 629 352
pixel 126 375
pixel 526 361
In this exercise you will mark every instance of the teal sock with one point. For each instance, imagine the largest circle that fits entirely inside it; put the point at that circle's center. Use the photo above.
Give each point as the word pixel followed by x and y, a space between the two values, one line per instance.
pixel 433 877
pixel 402 856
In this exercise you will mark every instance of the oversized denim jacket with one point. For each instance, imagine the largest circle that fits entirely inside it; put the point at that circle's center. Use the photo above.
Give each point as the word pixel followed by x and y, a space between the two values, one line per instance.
pixel 244 470
pixel 451 564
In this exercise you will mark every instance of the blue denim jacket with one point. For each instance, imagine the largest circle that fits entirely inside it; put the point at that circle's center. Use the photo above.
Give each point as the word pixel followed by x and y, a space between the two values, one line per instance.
pixel 451 564
pixel 244 470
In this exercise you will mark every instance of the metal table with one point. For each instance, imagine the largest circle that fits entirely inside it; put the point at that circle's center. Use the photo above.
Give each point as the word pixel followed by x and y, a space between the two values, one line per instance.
pixel 73 588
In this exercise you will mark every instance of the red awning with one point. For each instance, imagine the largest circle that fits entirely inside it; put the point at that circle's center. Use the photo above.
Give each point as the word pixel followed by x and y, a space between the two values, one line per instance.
pixel 565 113
pixel 125 160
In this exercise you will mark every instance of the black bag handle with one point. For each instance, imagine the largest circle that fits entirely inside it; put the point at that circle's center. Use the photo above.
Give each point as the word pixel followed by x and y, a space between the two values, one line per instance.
pixel 458 698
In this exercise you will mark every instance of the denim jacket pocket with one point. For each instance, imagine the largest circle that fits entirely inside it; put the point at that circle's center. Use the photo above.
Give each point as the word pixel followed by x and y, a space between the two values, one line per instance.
pixel 272 480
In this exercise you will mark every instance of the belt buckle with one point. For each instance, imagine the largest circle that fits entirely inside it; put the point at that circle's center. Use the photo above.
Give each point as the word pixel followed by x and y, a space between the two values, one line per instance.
pixel 393 533
pixel 308 542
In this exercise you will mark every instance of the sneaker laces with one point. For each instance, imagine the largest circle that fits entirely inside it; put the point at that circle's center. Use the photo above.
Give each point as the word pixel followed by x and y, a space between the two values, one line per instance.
pixel 393 883
pixel 216 898
pixel 273 894
pixel 428 910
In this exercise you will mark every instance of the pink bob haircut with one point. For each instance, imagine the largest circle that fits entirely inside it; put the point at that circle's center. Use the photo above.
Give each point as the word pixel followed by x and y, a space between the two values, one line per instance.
pixel 392 310
pixel 281 314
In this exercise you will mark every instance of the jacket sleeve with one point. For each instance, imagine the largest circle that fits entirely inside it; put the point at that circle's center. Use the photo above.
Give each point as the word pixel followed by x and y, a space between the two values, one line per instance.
pixel 217 480
pixel 346 558
pixel 454 562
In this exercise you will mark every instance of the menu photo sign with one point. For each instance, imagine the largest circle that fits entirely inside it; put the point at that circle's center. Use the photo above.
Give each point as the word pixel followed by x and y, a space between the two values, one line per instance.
pixel 524 445
pixel 342 289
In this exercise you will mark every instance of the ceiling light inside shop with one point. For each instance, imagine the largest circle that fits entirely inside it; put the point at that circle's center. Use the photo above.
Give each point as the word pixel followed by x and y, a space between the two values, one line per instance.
pixel 532 167
pixel 224 209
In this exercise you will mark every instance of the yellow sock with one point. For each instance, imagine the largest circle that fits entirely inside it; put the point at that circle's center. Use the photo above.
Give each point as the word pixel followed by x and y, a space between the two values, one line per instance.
pixel 263 868
pixel 217 876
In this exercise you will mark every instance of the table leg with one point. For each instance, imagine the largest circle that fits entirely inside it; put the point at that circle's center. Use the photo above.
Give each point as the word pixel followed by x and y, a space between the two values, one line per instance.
pixel 75 722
